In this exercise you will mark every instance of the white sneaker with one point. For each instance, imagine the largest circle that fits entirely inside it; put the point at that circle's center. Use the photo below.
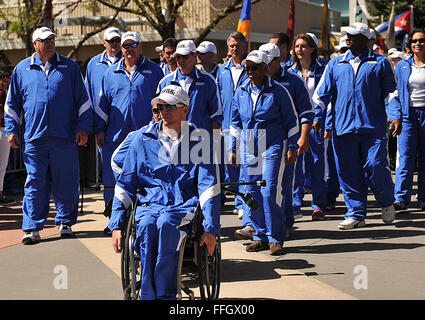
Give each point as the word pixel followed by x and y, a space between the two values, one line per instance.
pixel 240 214
pixel 65 231
pixel 31 237
pixel 245 233
pixel 388 214
pixel 351 224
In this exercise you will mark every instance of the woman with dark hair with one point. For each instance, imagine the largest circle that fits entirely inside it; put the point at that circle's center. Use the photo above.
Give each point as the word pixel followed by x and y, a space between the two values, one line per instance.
pixel 410 74
pixel 310 167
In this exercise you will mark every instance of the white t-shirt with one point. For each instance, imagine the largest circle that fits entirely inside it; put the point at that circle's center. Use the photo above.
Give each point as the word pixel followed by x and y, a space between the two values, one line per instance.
pixel 236 73
pixel 416 86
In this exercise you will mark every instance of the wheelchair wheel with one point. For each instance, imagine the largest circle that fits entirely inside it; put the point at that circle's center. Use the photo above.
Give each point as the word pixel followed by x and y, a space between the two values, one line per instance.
pixel 131 268
pixel 209 271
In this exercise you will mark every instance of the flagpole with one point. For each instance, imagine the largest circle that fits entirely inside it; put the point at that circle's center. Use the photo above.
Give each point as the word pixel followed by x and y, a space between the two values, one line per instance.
pixel 412 19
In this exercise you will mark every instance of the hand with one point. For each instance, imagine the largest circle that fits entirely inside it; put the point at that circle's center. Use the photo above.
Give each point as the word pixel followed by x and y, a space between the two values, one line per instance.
pixel 13 140
pixel 210 241
pixel 291 157
pixel 328 134
pixel 316 126
pixel 117 240
pixel 396 126
pixel 232 159
pixel 82 138
pixel 100 139
pixel 304 144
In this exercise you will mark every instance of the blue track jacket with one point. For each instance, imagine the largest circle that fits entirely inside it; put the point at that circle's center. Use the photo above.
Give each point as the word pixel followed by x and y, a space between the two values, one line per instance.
pixel 274 111
pixel 94 73
pixel 403 71
pixel 166 183
pixel 53 105
pixel 124 104
pixel 205 103
pixel 358 101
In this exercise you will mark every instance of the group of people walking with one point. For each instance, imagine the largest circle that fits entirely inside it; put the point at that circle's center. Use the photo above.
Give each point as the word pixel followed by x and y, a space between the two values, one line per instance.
pixel 284 116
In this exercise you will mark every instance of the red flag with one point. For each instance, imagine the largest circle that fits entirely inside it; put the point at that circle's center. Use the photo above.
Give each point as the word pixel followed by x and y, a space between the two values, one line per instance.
pixel 291 20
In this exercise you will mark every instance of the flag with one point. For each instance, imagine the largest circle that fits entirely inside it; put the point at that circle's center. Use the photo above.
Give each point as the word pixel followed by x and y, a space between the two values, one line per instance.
pixel 402 24
pixel 291 20
pixel 245 19
pixel 324 32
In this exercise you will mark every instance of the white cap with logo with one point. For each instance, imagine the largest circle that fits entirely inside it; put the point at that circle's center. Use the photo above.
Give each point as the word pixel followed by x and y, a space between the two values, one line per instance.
pixel 111 33
pixel 206 46
pixel 159 48
pixel 271 50
pixel 257 57
pixel 130 35
pixel 42 33
pixel 185 47
pixel 357 28
pixel 172 94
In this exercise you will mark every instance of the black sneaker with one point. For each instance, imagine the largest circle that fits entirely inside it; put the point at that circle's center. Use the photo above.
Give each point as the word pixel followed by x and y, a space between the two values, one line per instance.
pixel 6 202
pixel 400 205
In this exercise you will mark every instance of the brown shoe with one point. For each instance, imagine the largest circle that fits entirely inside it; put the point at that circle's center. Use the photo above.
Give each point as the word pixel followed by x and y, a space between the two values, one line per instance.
pixel 257 245
pixel 276 249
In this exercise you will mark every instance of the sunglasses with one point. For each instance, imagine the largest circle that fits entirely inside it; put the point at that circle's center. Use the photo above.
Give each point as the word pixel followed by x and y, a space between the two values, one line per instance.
pixel 168 107
pixel 421 40
pixel 47 40
pixel 155 111
pixel 253 68
pixel 113 40
pixel 127 45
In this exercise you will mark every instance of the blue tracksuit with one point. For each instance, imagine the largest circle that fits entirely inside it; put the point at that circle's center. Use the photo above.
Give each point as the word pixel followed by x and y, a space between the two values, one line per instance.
pixel 124 105
pixel 205 104
pixel 54 107
pixel 311 166
pixel 94 73
pixel 305 112
pixel 227 90
pixel 410 141
pixel 263 128
pixel 360 125
pixel 169 194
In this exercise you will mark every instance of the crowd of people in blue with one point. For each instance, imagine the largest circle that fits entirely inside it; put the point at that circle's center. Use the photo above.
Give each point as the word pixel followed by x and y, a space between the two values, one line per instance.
pixel 169 133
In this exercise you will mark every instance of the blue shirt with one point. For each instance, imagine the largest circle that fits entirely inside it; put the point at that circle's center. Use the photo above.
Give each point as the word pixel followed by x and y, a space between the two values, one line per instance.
pixel 53 105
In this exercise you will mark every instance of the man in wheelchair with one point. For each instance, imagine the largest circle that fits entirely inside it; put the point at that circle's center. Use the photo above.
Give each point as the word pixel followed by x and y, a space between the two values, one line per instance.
pixel 159 169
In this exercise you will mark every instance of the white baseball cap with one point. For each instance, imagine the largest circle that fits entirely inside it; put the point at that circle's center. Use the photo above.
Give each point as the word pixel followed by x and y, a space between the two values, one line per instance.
pixel 392 50
pixel 42 33
pixel 257 57
pixel 372 34
pixel 396 54
pixel 206 46
pixel 111 33
pixel 342 43
pixel 313 36
pixel 357 28
pixel 172 94
pixel 130 35
pixel 159 48
pixel 184 47
pixel 271 50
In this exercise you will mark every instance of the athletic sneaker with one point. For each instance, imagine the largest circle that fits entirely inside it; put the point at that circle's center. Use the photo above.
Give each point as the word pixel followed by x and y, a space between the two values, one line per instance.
pixel 388 214
pixel 351 224
pixel 400 205
pixel 245 233
pixel 31 237
pixel 318 215
pixel 6 202
pixel 65 231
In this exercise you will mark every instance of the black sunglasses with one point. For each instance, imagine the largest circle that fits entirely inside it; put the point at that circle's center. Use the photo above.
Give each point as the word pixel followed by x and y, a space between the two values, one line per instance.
pixel 421 40
pixel 113 40
pixel 253 68
pixel 169 107
pixel 47 40
pixel 155 110
pixel 133 45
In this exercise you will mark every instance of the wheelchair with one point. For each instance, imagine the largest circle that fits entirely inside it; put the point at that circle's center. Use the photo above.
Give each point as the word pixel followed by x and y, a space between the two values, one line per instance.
pixel 195 265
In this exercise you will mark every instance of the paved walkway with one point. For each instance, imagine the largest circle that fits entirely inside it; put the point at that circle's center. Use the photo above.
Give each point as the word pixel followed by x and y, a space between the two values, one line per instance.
pixel 375 262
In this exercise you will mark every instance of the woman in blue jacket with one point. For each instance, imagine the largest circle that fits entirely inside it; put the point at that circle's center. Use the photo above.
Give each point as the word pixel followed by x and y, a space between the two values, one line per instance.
pixel 263 117
pixel 310 167
pixel 411 85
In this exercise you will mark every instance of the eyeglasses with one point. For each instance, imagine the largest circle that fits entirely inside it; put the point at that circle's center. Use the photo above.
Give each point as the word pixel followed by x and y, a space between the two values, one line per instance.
pixel 47 40
pixel 253 68
pixel 421 40
pixel 113 40
pixel 128 45
pixel 169 107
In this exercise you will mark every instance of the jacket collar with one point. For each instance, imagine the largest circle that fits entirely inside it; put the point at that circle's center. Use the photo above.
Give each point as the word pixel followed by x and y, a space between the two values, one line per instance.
pixel 139 64
pixel 105 59
pixel 35 60
pixel 194 74
pixel 367 54
pixel 267 84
